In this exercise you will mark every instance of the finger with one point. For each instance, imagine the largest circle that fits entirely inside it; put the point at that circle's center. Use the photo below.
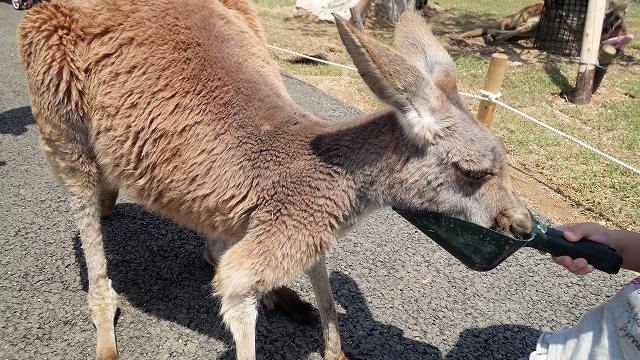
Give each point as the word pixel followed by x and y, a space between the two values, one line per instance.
pixel 563 261
pixel 575 269
pixel 569 231
pixel 578 265
pixel 572 235
pixel 565 227
pixel 584 271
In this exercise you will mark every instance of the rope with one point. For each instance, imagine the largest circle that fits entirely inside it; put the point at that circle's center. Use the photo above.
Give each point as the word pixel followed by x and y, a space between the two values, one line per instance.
pixel 485 95
pixel 312 58
pixel 570 138
pixel 490 96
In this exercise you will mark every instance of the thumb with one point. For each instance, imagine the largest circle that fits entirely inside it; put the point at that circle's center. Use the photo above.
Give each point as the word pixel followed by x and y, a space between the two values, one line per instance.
pixel 575 232
pixel 572 235
pixel 572 232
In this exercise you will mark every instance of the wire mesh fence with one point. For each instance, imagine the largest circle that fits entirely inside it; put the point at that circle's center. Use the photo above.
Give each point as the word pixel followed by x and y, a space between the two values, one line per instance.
pixel 561 27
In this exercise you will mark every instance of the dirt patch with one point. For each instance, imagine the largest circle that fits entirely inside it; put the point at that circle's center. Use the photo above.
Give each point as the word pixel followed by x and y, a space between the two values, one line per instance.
pixel 546 201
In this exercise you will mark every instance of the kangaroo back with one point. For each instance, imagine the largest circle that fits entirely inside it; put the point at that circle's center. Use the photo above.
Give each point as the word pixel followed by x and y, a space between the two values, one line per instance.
pixel 51 43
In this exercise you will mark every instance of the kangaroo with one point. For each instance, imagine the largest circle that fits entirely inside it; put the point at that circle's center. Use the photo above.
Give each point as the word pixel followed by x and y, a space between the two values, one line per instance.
pixel 180 105
pixel 524 24
pixel 613 24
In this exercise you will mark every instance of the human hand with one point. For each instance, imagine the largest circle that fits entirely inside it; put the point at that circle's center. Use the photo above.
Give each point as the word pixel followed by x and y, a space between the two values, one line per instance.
pixel 575 232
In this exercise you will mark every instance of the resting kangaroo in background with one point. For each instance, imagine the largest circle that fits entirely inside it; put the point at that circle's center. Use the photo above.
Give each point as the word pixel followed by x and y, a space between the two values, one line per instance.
pixel 521 25
pixel 524 24
pixel 179 104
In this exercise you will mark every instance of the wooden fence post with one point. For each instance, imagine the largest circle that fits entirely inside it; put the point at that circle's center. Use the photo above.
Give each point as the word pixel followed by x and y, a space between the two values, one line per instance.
pixel 607 53
pixel 589 50
pixel 493 84
pixel 359 13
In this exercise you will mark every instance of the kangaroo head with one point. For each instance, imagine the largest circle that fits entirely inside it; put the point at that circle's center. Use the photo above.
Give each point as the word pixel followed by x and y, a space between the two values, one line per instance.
pixel 614 20
pixel 451 163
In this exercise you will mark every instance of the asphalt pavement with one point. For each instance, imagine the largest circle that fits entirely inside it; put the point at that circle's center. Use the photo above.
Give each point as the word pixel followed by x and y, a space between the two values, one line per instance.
pixel 400 296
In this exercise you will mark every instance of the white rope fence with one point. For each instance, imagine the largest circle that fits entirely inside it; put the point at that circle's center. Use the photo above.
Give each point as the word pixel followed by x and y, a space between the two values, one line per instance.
pixel 312 58
pixel 485 95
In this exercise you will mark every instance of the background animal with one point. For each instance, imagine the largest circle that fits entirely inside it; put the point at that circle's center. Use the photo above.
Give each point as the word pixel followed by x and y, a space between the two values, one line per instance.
pixel 180 105
pixel 613 25
pixel 524 24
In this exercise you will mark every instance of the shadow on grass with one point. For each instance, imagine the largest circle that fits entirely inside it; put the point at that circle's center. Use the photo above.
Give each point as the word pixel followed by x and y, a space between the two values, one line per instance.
pixel 453 22
pixel 558 78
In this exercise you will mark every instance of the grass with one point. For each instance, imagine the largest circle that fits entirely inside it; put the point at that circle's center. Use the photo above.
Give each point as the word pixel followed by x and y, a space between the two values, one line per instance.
pixel 611 123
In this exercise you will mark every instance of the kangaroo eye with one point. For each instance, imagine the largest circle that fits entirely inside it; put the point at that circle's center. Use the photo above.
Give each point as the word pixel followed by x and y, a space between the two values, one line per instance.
pixel 474 175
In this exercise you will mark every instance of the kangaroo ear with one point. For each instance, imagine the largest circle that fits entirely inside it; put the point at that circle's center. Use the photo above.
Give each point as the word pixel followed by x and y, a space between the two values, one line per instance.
pixel 376 62
pixel 395 80
pixel 415 40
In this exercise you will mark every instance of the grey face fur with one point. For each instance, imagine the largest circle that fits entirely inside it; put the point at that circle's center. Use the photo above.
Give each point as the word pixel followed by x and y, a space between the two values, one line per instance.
pixel 453 164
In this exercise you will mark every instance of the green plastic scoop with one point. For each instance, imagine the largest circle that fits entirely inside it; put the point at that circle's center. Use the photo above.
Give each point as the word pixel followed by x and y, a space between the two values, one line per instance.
pixel 483 249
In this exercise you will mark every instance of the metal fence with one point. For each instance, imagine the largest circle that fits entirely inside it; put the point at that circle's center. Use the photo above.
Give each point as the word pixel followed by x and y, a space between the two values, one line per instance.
pixel 561 27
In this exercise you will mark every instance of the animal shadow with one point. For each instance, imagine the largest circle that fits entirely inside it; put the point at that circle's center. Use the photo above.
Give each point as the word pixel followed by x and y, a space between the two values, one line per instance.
pixel 366 338
pixel 495 342
pixel 558 78
pixel 15 121
pixel 160 268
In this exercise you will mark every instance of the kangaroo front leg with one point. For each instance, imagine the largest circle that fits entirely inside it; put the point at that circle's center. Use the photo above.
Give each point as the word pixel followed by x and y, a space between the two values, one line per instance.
pixel 235 285
pixel 327 309
pixel 266 258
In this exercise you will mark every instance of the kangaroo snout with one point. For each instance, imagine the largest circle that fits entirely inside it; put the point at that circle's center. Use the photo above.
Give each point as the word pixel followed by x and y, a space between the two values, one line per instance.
pixel 521 226
pixel 515 222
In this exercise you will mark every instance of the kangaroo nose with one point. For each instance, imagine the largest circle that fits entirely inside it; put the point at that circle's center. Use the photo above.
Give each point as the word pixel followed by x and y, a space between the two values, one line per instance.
pixel 521 226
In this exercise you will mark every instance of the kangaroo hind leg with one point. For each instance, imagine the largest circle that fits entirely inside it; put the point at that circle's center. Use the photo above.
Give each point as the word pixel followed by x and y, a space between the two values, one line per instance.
pixel 51 41
pixel 74 165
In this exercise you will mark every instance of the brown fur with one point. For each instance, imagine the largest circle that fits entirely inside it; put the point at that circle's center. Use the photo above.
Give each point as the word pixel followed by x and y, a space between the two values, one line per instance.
pixel 180 105
pixel 524 24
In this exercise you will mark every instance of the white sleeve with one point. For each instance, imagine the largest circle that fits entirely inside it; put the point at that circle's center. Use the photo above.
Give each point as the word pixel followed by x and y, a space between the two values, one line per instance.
pixel 609 331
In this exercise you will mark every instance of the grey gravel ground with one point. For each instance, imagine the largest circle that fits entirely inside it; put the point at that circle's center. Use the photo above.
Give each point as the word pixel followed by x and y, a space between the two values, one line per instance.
pixel 400 296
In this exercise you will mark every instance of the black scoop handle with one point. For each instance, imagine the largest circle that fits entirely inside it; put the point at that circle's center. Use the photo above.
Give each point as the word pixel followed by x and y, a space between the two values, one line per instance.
pixel 600 256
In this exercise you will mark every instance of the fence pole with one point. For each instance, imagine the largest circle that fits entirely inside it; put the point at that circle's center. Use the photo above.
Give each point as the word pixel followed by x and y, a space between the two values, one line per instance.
pixel 359 13
pixel 607 53
pixel 589 51
pixel 493 84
